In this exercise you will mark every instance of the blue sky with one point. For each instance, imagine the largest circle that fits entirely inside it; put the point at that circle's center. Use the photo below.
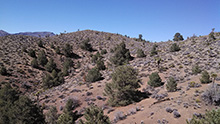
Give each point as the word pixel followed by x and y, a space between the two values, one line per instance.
pixel 156 20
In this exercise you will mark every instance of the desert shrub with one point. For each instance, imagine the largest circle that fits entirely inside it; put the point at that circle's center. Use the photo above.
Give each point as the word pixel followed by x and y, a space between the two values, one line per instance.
pixel 153 50
pixel 119 116
pixel 68 116
pixel 52 46
pixel 42 59
pixel 205 77
pixel 121 55
pixel 71 104
pixel 171 85
pixel 40 43
pixel 95 115
pixel 178 37
pixel 211 36
pixel 174 47
pixel 100 65
pixel 212 94
pixel 155 80
pixel 51 115
pixel 85 45
pixel 34 63
pixel 32 53
pixel 123 88
pixel 51 65
pixel 24 49
pixel 57 50
pixel 54 80
pixel 196 69
pixel 96 57
pixel 140 53
pixel 68 63
pixel 67 50
pixel 47 81
pixel 93 75
pixel 3 70
pixel 210 117
pixel 18 109
pixel 103 51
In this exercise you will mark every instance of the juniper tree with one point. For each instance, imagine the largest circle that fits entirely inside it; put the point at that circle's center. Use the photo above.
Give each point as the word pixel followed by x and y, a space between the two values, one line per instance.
pixel 178 37
pixel 42 59
pixel 155 80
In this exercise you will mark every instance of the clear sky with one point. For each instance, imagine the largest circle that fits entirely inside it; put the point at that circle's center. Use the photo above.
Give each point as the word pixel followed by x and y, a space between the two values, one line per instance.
pixel 156 20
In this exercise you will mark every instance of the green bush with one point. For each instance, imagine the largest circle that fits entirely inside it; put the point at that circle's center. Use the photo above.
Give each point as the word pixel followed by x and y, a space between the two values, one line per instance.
pixel 95 115
pixel 42 59
pixel 51 65
pixel 196 69
pixel 153 50
pixel 32 53
pixel 210 117
pixel 54 80
pixel 211 36
pixel 3 70
pixel 155 80
pixel 103 51
pixel 85 45
pixel 34 63
pixel 171 85
pixel 178 37
pixel 51 115
pixel 205 78
pixel 174 47
pixel 140 53
pixel 18 109
pixel 57 50
pixel 121 55
pixel 40 43
pixel 96 57
pixel 67 50
pixel 123 88
pixel 93 75
pixel 100 65
pixel 68 63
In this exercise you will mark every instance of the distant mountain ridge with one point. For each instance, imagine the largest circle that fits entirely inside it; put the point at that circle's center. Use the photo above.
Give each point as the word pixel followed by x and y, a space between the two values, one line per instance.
pixel 34 34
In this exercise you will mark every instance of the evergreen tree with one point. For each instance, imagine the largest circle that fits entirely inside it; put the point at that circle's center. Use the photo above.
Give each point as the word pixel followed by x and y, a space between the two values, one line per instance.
pixel 42 59
pixel 51 65
pixel 93 75
pixel 3 70
pixel 100 65
pixel 171 85
pixel 178 37
pixel 51 115
pixel 155 80
pixel 34 63
pixel 205 77
pixel 68 50
pixel 85 45
pixel 40 43
pixel 153 50
pixel 123 88
pixel 174 47
pixel 121 55
pixel 95 115
pixel 140 53
pixel 32 53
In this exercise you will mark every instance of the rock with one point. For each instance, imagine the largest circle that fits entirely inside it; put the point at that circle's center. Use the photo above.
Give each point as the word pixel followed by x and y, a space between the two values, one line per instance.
pixel 168 109
pixel 88 93
pixel 99 97
pixel 61 108
pixel 185 105
pixel 176 114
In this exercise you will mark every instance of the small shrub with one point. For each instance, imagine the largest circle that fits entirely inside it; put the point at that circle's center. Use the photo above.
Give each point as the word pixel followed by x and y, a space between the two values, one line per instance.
pixel 68 50
pixel 119 116
pixel 57 50
pixel 40 43
pixel 205 78
pixel 212 94
pixel 3 71
pixel 174 48
pixel 68 63
pixel 153 50
pixel 210 117
pixel 51 65
pixel 32 53
pixel 196 70
pixel 86 46
pixel 93 75
pixel 42 59
pixel 34 63
pixel 96 57
pixel 211 36
pixel 155 80
pixel 104 51
pixel 100 65
pixel 140 53
pixel 171 85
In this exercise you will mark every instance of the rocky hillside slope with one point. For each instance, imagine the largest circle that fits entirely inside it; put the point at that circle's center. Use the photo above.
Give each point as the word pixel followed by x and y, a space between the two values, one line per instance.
pixel 186 101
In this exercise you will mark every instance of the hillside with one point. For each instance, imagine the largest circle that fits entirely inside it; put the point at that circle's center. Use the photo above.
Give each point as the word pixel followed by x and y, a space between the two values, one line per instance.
pixel 34 34
pixel 186 100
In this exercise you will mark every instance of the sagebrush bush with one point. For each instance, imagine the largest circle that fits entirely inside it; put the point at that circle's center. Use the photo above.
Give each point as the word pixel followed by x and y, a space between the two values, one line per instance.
pixel 205 77
pixel 212 94
pixel 140 53
pixel 155 80
pixel 174 47
pixel 34 63
pixel 210 117
pixel 196 69
pixel 93 75
pixel 171 85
